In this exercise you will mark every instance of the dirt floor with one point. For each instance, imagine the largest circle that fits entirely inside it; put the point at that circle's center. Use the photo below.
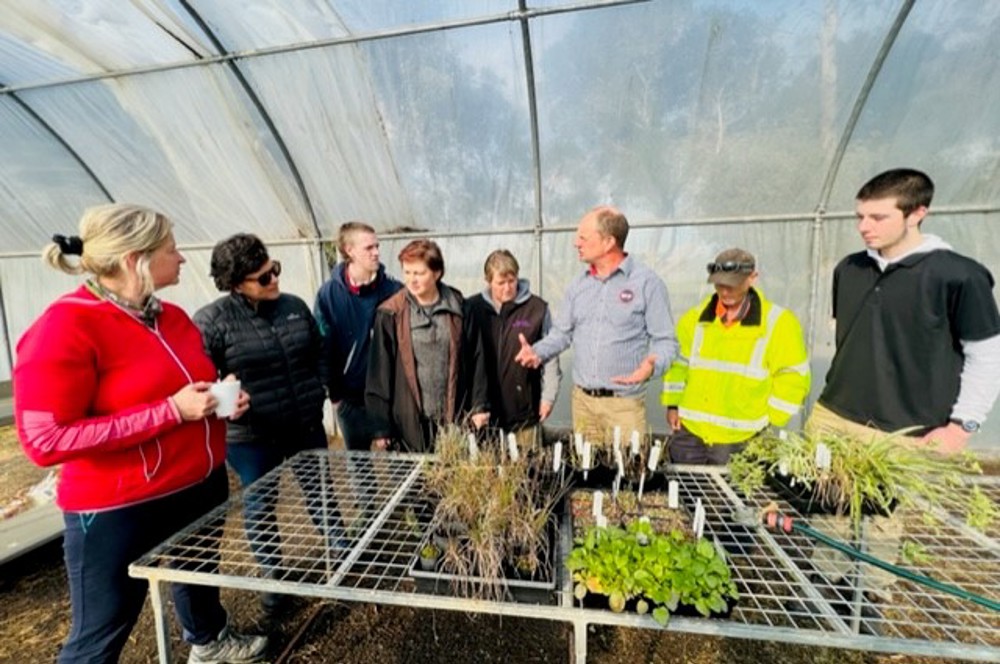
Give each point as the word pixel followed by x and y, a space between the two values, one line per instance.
pixel 34 619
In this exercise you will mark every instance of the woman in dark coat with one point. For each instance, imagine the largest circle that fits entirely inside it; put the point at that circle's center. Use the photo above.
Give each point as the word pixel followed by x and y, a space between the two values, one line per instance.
pixel 425 366
pixel 271 343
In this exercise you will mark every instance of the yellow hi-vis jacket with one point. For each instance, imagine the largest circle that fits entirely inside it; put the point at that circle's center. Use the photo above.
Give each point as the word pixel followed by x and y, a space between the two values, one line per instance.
pixel 728 383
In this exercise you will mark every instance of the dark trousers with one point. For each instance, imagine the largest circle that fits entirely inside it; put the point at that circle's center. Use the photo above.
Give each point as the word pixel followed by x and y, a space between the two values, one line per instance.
pixel 355 425
pixel 687 448
pixel 251 461
pixel 105 602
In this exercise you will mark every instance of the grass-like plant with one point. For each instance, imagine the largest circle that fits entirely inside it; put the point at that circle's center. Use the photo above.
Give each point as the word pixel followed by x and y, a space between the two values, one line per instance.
pixel 494 513
pixel 659 572
pixel 877 475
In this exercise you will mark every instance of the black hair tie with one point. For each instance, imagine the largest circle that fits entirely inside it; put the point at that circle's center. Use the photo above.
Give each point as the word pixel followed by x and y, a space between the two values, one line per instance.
pixel 71 246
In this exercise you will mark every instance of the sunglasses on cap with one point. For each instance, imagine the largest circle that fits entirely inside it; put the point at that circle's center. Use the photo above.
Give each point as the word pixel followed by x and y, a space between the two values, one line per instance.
pixel 265 278
pixel 730 266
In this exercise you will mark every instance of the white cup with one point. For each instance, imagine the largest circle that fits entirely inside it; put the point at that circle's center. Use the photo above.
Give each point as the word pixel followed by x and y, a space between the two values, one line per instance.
pixel 227 392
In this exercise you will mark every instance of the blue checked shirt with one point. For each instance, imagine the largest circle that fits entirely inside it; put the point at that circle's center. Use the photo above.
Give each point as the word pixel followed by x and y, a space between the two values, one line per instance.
pixel 613 324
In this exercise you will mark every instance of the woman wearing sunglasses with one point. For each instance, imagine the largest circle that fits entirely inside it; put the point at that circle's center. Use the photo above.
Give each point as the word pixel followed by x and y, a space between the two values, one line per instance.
pixel 271 343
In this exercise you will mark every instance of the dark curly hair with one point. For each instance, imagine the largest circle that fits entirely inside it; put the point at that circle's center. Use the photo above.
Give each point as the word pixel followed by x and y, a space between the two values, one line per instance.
pixel 236 257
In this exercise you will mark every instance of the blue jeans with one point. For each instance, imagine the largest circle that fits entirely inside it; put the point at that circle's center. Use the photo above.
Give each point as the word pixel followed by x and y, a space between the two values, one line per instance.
pixel 104 601
pixel 253 460
pixel 355 425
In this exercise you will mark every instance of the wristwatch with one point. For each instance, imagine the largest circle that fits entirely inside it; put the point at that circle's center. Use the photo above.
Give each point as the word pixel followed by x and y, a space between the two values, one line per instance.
pixel 968 426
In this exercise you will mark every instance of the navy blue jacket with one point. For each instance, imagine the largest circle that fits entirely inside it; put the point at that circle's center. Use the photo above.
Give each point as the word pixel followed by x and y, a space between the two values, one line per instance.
pixel 345 320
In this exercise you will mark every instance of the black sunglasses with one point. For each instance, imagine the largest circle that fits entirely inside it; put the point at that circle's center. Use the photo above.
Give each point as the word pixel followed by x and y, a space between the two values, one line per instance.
pixel 266 278
pixel 730 266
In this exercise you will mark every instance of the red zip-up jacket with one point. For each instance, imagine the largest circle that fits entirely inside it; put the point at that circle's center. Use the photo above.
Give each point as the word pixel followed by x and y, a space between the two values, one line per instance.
pixel 91 388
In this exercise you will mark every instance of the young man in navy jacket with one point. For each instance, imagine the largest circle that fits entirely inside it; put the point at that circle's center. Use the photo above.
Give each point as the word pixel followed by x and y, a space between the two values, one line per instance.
pixel 345 312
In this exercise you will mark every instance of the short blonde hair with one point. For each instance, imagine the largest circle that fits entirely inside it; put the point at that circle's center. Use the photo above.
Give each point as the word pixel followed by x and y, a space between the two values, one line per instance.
pixel 500 262
pixel 109 234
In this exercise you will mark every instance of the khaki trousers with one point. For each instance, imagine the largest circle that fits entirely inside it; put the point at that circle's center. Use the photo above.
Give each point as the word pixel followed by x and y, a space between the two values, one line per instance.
pixel 597 417
pixel 529 438
pixel 883 534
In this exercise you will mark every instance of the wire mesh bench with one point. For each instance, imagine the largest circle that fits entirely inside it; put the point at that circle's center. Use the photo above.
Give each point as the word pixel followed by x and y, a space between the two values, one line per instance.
pixel 349 526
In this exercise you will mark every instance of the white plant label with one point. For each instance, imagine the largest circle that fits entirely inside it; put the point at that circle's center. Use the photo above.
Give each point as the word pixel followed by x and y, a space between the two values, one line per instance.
pixel 782 434
pixel 578 444
pixel 598 507
pixel 634 443
pixel 654 457
pixel 719 549
pixel 783 467
pixel 823 456
pixel 515 454
pixel 473 447
pixel 618 437
pixel 601 521
pixel 673 495
pixel 698 524
pixel 557 456
pixel 587 449
pixel 620 462
pixel 642 485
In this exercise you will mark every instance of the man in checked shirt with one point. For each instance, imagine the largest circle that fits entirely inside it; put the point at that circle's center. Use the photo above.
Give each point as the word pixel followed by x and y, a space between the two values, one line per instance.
pixel 616 314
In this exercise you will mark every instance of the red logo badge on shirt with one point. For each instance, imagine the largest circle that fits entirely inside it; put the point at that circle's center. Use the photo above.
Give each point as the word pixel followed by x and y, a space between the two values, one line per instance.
pixel 626 296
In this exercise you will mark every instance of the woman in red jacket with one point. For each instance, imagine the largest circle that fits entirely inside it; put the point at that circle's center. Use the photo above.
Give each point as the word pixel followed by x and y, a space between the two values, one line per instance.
pixel 114 385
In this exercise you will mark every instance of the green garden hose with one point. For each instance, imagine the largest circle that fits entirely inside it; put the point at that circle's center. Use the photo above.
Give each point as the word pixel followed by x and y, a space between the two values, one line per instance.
pixel 788 524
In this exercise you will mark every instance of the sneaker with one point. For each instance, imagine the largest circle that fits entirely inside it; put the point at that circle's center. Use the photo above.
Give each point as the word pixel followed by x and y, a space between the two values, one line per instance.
pixel 230 648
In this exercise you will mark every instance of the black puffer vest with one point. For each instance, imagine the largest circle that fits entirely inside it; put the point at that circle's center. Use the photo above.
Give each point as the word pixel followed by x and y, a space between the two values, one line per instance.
pixel 275 352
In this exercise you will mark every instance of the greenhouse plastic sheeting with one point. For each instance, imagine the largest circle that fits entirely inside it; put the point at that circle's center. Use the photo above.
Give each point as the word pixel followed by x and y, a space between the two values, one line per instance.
pixel 491 123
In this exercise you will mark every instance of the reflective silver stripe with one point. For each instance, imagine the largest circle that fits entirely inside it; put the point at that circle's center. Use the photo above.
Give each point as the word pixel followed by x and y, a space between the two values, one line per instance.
pixel 730 368
pixel 757 358
pixel 801 369
pixel 782 405
pixel 673 387
pixel 752 369
pixel 726 422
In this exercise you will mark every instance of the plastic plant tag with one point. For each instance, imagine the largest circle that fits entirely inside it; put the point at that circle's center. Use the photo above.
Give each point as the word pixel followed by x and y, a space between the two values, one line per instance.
pixel 823 457
pixel 782 434
pixel 620 462
pixel 673 495
pixel 654 457
pixel 598 506
pixel 557 456
pixel 783 468
pixel 578 444
pixel 642 484
pixel 515 454
pixel 719 549
pixel 618 437
pixel 698 523
pixel 634 443
pixel 587 450
pixel 473 447
pixel 601 521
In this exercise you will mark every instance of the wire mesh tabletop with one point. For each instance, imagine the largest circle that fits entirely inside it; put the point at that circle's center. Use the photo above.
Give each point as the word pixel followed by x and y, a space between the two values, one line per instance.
pixel 350 526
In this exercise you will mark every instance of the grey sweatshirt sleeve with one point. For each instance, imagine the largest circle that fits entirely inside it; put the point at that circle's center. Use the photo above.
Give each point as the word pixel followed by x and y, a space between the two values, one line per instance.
pixel 980 381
